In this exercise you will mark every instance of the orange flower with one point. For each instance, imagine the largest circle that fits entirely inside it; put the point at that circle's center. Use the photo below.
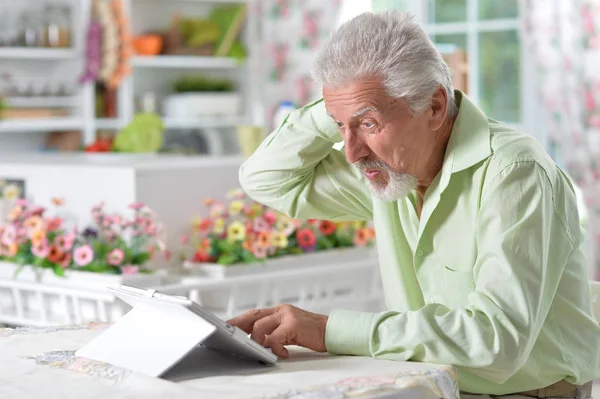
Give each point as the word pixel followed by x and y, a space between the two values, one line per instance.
pixel 327 227
pixel 37 236
pixel 208 201
pixel 12 249
pixel 361 237
pixel 263 239
pixel 55 256
pixel 372 231
pixel 58 201
pixel 15 213
pixel 247 245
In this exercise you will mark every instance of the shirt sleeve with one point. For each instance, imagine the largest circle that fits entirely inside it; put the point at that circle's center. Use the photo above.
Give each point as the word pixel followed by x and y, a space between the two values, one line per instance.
pixel 523 248
pixel 297 171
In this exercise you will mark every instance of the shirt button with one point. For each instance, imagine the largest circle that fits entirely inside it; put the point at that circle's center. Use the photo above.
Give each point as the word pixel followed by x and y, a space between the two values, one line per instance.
pixel 419 252
pixel 431 299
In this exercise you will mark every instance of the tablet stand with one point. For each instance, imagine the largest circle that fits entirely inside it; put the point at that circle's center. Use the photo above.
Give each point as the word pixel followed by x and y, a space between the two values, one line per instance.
pixel 148 341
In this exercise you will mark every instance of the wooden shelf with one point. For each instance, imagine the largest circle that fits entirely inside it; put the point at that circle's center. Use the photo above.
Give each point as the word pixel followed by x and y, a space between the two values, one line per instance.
pixel 33 53
pixel 185 62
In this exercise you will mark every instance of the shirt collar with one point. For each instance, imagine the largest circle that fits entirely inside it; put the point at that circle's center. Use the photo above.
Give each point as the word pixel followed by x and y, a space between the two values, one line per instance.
pixel 469 141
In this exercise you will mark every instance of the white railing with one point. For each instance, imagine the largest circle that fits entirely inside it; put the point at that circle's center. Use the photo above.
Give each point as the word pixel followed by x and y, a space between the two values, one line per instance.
pixel 350 285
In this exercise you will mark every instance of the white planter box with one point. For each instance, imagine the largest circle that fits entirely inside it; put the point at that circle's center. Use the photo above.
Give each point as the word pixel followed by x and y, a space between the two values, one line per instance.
pixel 248 293
pixel 194 105
pixel 38 297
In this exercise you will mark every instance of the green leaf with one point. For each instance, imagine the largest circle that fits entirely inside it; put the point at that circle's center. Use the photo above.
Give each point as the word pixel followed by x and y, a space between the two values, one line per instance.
pixel 59 271
pixel 227 259
pixel 18 270
pixel 140 258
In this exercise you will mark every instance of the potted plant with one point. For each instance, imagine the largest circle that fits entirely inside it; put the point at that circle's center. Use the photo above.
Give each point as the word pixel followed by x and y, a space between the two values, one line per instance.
pixel 199 96
pixel 244 237
pixel 38 248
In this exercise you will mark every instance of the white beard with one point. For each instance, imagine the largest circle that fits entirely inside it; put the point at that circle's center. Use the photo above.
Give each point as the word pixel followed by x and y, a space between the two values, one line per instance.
pixel 399 185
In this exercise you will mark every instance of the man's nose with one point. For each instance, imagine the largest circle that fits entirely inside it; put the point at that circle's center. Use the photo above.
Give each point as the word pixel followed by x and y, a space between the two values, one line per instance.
pixel 356 149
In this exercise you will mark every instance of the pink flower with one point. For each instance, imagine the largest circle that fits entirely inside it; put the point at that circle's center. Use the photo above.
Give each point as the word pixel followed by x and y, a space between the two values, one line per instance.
pixel 595 120
pixel 129 269
pixel 150 230
pixel 270 217
pixel 217 210
pixel 136 206
pixel 259 251
pixel 8 235
pixel 185 239
pixel 115 257
pixel 41 251
pixel 64 243
pixel 98 208
pixel 22 203
pixel 260 225
pixel 83 255
pixel 54 224
pixel 39 211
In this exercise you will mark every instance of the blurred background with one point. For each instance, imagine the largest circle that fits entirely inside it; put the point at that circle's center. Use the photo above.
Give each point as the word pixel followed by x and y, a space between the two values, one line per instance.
pixel 127 81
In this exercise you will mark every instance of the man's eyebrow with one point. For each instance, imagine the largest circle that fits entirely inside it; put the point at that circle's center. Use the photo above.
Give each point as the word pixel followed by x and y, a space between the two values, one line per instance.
pixel 360 112
pixel 363 111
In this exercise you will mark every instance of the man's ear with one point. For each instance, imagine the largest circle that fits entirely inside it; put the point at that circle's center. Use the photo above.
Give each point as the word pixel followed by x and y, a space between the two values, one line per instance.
pixel 439 108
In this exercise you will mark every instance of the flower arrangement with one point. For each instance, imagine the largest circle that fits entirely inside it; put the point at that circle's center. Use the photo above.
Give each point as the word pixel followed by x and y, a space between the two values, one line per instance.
pixel 113 244
pixel 244 231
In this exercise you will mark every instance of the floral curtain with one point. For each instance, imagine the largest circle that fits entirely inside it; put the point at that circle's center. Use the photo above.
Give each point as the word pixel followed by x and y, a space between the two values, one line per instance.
pixel 291 32
pixel 564 38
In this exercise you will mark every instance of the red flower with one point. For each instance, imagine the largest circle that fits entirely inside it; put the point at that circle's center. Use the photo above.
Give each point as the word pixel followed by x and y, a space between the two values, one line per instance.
pixel 327 227
pixel 205 224
pixel 306 238
pixel 202 256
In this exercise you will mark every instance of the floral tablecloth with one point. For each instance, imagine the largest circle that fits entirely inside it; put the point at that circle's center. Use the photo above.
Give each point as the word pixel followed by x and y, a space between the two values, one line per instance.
pixel 40 362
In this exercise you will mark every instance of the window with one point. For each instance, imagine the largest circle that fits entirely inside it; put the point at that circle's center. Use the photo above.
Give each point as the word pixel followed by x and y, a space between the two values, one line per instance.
pixel 487 31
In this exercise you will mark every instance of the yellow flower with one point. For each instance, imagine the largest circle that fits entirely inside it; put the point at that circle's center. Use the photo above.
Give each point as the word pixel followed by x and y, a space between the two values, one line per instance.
pixel 235 208
pixel 236 231
pixel 358 225
pixel 284 224
pixel 219 226
pixel 279 240
pixel 11 192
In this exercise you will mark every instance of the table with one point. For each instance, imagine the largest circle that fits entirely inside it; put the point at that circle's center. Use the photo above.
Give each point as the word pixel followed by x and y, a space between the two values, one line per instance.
pixel 40 362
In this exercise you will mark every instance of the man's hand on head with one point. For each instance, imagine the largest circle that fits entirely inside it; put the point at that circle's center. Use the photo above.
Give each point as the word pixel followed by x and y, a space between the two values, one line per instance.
pixel 284 325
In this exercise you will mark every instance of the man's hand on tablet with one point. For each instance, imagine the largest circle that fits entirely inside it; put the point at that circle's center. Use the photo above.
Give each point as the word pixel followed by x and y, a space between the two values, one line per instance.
pixel 284 325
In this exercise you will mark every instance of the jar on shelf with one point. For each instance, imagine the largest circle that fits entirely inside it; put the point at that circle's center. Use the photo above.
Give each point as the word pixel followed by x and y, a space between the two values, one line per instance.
pixel 32 27
pixel 57 32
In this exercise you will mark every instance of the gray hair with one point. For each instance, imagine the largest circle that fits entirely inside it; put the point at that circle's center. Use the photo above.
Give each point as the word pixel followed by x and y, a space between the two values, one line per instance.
pixel 392 47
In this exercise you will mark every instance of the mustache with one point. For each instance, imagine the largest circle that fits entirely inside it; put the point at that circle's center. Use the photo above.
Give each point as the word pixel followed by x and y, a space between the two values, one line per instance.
pixel 371 164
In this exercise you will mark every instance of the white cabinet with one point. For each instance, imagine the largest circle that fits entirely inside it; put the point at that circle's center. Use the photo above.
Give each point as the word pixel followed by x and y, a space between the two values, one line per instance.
pixel 173 186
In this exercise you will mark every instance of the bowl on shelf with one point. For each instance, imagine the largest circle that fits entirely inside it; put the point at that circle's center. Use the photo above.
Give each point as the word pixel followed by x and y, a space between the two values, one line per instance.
pixel 148 45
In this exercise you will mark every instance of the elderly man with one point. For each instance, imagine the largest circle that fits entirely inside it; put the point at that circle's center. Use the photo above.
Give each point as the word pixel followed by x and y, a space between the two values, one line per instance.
pixel 478 236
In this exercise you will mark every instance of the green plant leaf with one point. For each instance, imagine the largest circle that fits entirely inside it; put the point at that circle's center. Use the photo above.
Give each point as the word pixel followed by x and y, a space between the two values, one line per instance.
pixel 59 271
pixel 227 259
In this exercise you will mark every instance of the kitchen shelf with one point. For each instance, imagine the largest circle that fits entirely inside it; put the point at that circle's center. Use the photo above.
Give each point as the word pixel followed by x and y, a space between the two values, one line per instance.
pixel 190 61
pixel 43 102
pixel 40 125
pixel 33 53
pixel 108 124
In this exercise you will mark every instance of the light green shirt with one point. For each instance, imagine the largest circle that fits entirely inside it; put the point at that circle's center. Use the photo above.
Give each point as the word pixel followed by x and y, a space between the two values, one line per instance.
pixel 491 279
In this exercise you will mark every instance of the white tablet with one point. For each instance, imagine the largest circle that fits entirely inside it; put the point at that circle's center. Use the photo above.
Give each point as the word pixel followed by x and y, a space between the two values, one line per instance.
pixel 161 330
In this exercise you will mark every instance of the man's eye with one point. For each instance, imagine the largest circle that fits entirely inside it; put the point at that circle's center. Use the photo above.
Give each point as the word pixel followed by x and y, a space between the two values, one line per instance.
pixel 339 124
pixel 368 125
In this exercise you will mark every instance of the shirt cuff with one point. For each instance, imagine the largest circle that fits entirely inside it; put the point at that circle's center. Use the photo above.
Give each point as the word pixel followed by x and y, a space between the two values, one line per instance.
pixel 349 333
